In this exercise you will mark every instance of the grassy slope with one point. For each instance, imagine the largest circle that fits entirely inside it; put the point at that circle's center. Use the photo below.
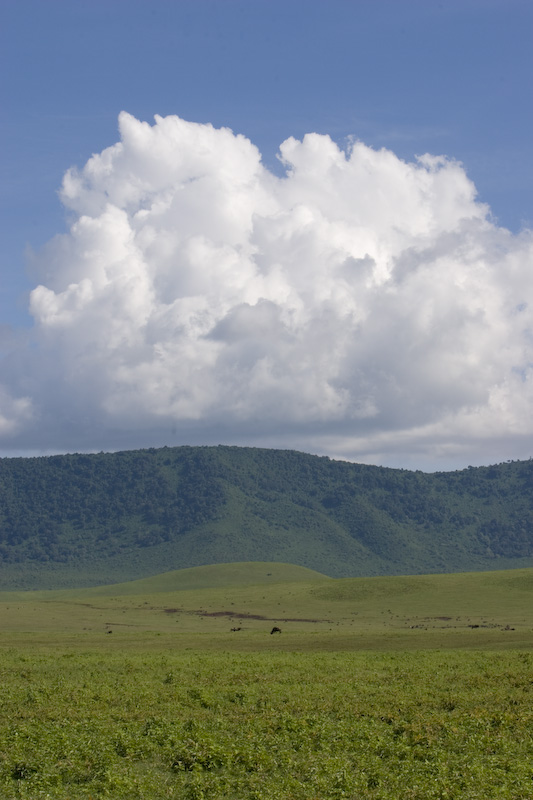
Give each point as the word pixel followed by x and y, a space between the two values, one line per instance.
pixel 200 606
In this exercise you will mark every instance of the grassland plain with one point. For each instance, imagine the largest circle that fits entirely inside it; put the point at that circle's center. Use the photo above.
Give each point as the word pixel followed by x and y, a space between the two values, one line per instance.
pixel 387 689
pixel 413 612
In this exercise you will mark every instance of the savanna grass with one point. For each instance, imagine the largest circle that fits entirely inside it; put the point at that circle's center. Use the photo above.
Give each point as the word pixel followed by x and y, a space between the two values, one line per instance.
pixel 148 725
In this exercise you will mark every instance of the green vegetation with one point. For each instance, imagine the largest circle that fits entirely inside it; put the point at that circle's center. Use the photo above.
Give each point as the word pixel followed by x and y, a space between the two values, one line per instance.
pixel 398 688
pixel 174 724
pixel 77 520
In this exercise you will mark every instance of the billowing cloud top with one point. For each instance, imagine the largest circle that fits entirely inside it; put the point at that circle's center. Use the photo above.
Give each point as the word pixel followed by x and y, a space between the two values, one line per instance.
pixel 358 305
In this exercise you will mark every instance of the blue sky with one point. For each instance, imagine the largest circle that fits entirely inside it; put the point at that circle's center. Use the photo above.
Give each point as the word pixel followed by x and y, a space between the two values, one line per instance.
pixel 412 76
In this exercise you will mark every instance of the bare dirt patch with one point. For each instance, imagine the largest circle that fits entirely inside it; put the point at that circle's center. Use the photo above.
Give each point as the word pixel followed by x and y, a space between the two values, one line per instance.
pixel 244 615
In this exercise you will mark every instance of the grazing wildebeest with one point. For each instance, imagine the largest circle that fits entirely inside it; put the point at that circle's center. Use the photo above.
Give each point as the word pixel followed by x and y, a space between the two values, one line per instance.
pixel 236 629
pixel 275 629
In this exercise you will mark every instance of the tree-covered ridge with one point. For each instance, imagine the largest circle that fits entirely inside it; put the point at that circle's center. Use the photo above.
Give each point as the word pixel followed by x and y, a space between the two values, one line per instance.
pixel 176 507
pixel 61 507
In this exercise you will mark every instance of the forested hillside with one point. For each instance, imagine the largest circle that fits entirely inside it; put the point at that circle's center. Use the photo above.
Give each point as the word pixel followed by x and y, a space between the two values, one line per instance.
pixel 85 519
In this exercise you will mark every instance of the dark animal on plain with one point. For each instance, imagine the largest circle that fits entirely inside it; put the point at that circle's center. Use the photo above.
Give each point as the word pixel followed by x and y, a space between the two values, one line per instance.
pixel 236 629
pixel 275 630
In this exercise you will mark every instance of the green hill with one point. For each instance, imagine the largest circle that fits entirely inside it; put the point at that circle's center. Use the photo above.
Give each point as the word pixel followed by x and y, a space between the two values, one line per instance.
pixel 81 520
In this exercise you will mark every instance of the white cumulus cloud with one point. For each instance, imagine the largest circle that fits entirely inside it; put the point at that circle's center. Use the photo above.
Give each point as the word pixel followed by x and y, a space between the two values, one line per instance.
pixel 358 305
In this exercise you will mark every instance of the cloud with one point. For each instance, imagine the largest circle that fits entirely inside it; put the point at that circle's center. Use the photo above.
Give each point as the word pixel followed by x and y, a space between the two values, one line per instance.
pixel 358 305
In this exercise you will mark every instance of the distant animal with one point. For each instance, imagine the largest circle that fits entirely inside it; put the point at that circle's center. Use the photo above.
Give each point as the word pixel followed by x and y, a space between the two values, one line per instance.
pixel 275 629
pixel 236 629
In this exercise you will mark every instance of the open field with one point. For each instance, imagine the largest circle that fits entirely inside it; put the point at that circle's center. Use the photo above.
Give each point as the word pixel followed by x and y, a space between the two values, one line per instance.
pixel 384 689
pixel 315 612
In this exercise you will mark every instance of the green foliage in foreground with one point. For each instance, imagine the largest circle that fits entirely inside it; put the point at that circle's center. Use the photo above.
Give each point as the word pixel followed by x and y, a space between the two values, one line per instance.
pixel 152 725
